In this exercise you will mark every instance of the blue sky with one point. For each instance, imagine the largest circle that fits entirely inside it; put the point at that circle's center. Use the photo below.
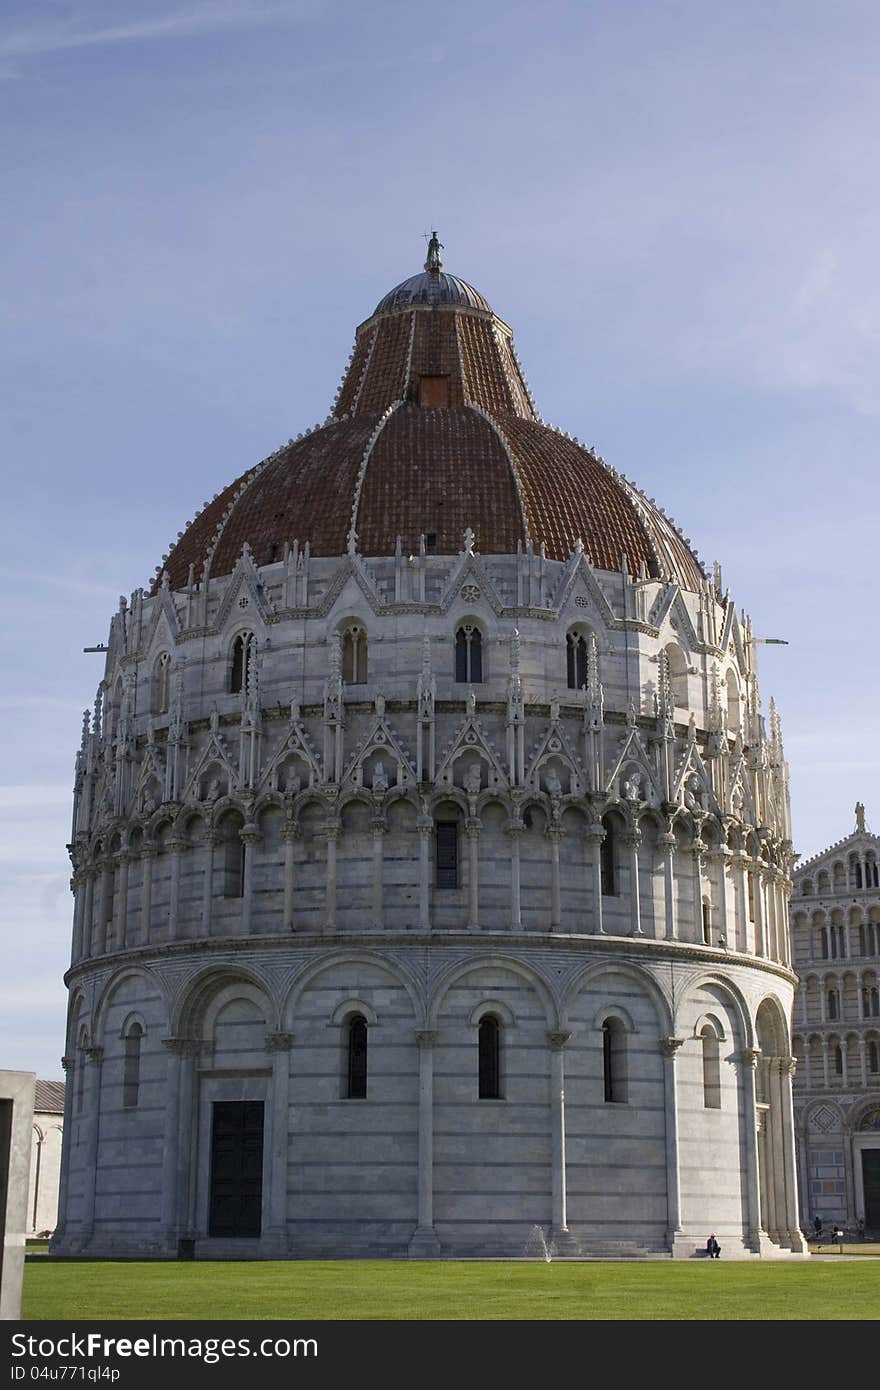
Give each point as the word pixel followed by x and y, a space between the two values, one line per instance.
pixel 674 204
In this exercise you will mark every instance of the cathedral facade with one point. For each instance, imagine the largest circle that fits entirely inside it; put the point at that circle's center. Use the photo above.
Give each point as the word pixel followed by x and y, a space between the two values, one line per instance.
pixel 431 855
pixel 836 937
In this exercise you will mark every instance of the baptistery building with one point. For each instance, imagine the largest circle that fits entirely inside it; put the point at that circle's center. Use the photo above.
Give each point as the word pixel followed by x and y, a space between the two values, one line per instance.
pixel 430 853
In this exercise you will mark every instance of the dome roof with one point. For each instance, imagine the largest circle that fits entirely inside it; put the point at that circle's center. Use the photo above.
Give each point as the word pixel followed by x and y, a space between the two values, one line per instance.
pixel 432 287
pixel 433 431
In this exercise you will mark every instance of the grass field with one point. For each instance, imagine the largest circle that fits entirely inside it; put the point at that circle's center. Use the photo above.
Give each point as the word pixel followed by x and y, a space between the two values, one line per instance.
pixel 413 1289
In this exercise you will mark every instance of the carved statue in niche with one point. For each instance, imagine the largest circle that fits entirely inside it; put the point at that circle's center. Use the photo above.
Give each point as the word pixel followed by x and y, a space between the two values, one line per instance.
pixel 213 790
pixel 380 777
pixel 473 780
pixel 552 783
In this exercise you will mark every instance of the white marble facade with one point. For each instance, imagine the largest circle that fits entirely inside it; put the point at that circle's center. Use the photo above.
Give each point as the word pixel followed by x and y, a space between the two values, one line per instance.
pixel 602 871
pixel 836 938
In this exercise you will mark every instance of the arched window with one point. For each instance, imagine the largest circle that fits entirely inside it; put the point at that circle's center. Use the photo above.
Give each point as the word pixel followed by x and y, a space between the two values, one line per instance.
pixel 833 1004
pixel 871 1001
pixel 873 1056
pixel 678 675
pixel 356 1080
pixel 131 1078
pixel 576 652
pixel 614 1060
pixel 446 854
pixel 608 862
pixel 354 654
pixel 469 655
pixel 490 1058
pixel 868 939
pixel 734 717
pixel 838 1059
pixel 807 888
pixel 161 683
pixel 242 655
pixel 711 1068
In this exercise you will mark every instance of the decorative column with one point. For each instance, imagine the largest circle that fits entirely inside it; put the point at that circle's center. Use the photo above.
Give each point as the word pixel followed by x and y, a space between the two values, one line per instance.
pixel 669 1048
pixel 472 828
pixel 331 832
pixel 666 843
pixel 278 1050
pixel 786 1068
pixel 175 845
pixel 514 829
pixel 632 840
pixel 424 1243
pixel 425 827
pixel 291 835
pixel 379 827
pixel 89 1168
pixel 760 923
pixel 779 1222
pixel 556 1043
pixel 175 1149
pixel 594 836
pixel 718 859
pixel 212 839
pixel 120 901
pixel 250 837
pixel 863 1062
pixel 697 852
pixel 826 1080
pixel 748 1064
pixel 96 905
pixel 78 886
pixel 742 904
pixel 146 892
pixel 68 1066
pixel 554 834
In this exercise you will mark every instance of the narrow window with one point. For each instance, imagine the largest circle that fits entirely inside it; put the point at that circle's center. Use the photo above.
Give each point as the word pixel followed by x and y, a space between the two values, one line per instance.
pixel 751 897
pixel 576 660
pixel 490 1058
pixel 614 1061
pixel 711 1069
pixel 838 1060
pixel 233 864
pixel 873 1056
pixel 357 1058
pixel 132 1072
pixel 446 856
pixel 469 655
pixel 607 859
pixel 242 652
pixel 871 1002
pixel 823 932
pixel 354 655
pixel 707 923
pixel 161 683
pixel 833 1004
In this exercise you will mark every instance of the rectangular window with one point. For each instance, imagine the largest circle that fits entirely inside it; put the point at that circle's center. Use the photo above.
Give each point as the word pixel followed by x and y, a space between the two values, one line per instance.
pixel 447 854
pixel 434 390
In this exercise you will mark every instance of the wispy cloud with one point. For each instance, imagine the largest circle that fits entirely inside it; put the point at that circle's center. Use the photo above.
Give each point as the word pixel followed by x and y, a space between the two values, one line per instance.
pixel 186 22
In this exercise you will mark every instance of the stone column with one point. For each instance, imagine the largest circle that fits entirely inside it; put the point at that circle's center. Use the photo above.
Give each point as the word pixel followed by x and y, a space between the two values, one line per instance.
pixel 556 1042
pixel 212 839
pixel 291 835
pixel 786 1068
pixel 378 827
pixel 175 845
pixel 425 827
pixel 424 1243
pixel 553 834
pixel 826 1080
pixel 719 859
pixel 89 1168
pixel 669 1048
pixel 331 831
pixel 760 923
pixel 697 852
pixel 178 1099
pixel 275 1236
pixel 68 1066
pixel 748 1064
pixel 96 914
pixel 78 885
pixel 594 836
pixel 666 843
pixel 120 901
pixel 632 839
pixel 863 1062
pixel 514 829
pixel 146 893
pixel 250 837
pixel 745 943
pixel 779 1228
pixel 472 828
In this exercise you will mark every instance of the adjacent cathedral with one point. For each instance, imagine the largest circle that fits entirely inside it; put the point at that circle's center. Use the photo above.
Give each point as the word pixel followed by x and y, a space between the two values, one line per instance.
pixel 430 854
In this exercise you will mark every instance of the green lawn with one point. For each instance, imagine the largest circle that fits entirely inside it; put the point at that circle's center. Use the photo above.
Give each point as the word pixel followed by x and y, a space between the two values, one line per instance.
pixel 395 1289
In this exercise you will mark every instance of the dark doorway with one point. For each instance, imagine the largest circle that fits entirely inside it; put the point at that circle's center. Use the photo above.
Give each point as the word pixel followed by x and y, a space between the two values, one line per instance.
pixel 871 1180
pixel 236 1168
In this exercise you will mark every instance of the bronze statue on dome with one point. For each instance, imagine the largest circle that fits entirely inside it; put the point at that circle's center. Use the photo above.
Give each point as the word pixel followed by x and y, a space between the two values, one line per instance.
pixel 435 246
pixel 860 816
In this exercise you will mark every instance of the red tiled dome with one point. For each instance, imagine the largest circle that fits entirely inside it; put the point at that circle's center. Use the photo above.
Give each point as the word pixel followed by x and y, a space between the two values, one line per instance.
pixel 433 431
